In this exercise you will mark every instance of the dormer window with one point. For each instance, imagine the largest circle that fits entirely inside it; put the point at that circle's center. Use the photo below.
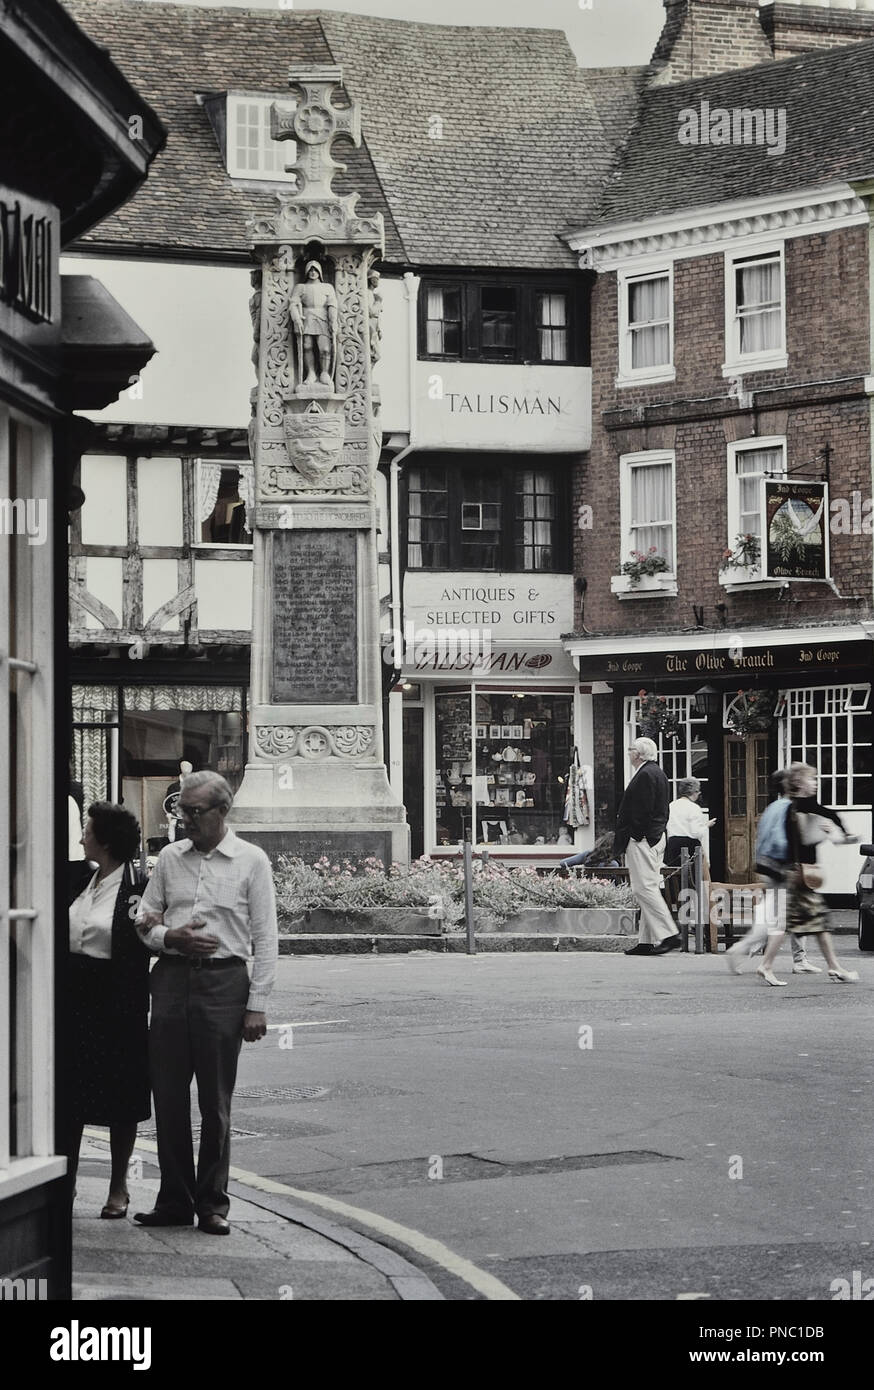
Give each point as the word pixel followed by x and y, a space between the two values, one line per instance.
pixel 251 152
pixel 241 122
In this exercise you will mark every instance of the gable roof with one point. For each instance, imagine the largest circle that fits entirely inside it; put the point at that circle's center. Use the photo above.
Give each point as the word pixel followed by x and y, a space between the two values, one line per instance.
pixel 828 101
pixel 527 137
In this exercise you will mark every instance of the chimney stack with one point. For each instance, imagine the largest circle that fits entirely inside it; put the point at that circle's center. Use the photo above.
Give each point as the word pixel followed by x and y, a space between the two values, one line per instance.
pixel 701 38
pixel 807 24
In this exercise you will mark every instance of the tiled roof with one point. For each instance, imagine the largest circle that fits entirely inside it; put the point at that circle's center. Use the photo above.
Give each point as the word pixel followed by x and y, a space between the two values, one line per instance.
pixel 527 136
pixel 828 100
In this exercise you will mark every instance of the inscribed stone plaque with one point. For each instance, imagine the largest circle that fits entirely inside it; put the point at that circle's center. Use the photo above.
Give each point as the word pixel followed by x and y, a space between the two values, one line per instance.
pixel 315 618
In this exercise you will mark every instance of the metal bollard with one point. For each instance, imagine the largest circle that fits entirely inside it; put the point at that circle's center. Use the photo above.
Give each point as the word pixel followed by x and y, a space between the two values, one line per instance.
pixel 468 898
pixel 684 889
pixel 701 914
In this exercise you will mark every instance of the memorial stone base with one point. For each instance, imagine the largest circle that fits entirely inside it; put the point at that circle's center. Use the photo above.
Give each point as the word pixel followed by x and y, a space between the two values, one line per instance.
pixel 340 812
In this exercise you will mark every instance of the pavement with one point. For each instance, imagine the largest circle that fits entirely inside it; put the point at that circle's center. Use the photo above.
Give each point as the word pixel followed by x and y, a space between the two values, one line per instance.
pixel 399 1060
pixel 276 1250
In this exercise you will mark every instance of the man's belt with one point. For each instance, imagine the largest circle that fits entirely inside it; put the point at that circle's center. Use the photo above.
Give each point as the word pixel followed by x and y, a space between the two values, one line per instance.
pixel 197 962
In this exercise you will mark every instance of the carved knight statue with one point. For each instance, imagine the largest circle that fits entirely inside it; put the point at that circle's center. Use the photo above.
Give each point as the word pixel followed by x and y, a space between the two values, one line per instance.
pixel 314 316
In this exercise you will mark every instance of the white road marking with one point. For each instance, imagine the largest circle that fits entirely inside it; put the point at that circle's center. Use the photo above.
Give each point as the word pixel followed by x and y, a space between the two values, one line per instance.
pixel 432 1249
pixel 308 1023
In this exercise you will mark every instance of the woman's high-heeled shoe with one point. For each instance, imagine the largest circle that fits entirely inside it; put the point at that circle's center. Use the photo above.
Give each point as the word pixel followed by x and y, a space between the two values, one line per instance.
pixel 113 1212
pixel 845 977
pixel 769 977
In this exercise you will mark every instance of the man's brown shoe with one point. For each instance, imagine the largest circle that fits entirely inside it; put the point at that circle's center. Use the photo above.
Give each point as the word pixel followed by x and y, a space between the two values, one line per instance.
pixel 161 1218
pixel 214 1225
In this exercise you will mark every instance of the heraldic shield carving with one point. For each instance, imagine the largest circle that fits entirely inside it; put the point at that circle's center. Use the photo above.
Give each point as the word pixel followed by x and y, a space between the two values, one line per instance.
pixel 314 439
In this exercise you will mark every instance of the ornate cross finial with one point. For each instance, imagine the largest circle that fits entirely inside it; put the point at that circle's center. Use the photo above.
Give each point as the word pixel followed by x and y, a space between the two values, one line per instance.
pixel 314 123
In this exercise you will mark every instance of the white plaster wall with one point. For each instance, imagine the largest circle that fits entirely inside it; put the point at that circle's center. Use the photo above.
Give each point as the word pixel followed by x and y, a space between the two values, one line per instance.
pixel 198 318
pixel 224 595
pixel 104 512
pixel 103 579
pixel 391 373
pixel 159 501
pixel 160 584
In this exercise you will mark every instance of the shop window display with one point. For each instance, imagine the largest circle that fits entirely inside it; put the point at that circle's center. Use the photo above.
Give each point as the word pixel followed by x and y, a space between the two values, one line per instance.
pixel 523 749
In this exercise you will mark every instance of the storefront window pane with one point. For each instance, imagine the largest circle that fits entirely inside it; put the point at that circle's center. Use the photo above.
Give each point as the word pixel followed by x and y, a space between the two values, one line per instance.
pixel 523 753
pixel 95 717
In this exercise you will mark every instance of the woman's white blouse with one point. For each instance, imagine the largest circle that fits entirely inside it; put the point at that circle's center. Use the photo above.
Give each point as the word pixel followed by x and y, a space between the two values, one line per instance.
pixel 91 916
pixel 686 818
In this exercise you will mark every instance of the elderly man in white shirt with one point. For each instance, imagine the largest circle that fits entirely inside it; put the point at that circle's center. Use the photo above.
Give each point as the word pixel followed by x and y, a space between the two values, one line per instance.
pixel 203 1003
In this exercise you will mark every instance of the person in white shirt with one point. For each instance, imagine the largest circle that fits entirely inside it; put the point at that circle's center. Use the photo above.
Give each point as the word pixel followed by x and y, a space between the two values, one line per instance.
pixel 686 820
pixel 208 906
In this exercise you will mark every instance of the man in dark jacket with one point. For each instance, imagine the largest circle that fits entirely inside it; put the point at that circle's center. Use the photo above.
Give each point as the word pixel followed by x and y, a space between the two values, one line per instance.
pixel 640 836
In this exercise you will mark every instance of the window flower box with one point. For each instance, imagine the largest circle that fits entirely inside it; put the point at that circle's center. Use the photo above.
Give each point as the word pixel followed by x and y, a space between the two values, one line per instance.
pixel 647 586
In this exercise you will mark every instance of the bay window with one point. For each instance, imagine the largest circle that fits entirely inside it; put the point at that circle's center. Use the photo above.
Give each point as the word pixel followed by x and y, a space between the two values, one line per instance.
pixel 501 321
pixel 495 515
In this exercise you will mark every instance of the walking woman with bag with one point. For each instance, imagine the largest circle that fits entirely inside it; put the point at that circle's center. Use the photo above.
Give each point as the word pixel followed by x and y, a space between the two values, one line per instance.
pixel 806 910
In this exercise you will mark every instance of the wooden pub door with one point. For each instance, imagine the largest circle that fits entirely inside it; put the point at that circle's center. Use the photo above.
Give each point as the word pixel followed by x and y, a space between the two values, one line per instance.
pixel 747 773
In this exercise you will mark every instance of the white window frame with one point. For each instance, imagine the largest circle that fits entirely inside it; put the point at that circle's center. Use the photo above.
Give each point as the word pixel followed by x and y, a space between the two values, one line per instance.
pixel 674 756
pixel 839 700
pixel 641 376
pixel 735 578
pixel 736 362
pixel 286 150
pixel 198 544
pixel 36 1163
pixel 660 585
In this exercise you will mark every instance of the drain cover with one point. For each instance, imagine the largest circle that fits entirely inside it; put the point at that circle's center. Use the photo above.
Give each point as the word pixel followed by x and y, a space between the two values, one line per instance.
pixel 281 1092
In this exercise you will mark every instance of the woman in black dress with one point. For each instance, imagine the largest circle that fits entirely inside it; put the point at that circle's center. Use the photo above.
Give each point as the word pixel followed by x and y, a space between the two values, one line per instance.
pixel 109 995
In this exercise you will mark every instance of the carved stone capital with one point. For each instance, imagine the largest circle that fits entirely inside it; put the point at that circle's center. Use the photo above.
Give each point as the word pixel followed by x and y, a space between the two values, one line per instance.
pixel 314 742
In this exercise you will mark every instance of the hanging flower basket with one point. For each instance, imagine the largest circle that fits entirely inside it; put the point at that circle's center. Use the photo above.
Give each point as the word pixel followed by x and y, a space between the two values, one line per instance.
pixel 751 712
pixel 654 718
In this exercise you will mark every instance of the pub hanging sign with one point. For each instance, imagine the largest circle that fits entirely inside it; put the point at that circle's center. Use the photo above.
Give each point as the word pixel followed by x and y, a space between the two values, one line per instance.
pixel 796 530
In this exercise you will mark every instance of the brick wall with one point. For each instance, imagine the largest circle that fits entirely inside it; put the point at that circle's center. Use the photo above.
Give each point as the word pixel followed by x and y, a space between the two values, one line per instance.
pixel 826 339
pixel 793 29
pixel 704 37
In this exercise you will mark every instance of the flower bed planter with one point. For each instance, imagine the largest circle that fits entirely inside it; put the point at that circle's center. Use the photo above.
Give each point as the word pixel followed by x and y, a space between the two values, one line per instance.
pixel 400 921
pixel 377 921
pixel 572 921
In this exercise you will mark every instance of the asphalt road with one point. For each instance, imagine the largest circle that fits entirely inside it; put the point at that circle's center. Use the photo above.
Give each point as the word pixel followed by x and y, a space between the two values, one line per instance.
pixel 577 1126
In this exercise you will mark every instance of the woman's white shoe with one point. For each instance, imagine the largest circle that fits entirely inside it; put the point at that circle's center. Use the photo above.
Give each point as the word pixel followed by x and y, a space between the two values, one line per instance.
pixel 769 977
pixel 843 976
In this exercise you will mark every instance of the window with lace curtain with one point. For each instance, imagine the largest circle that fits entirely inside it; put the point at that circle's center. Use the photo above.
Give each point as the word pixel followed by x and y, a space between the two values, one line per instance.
pixel 755 318
pixel 646 332
pixel 224 499
pixel 648 509
pixel 749 463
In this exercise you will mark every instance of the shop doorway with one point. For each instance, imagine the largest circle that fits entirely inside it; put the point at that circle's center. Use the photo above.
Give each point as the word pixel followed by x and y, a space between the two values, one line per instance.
pixel 747 775
pixel 414 777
